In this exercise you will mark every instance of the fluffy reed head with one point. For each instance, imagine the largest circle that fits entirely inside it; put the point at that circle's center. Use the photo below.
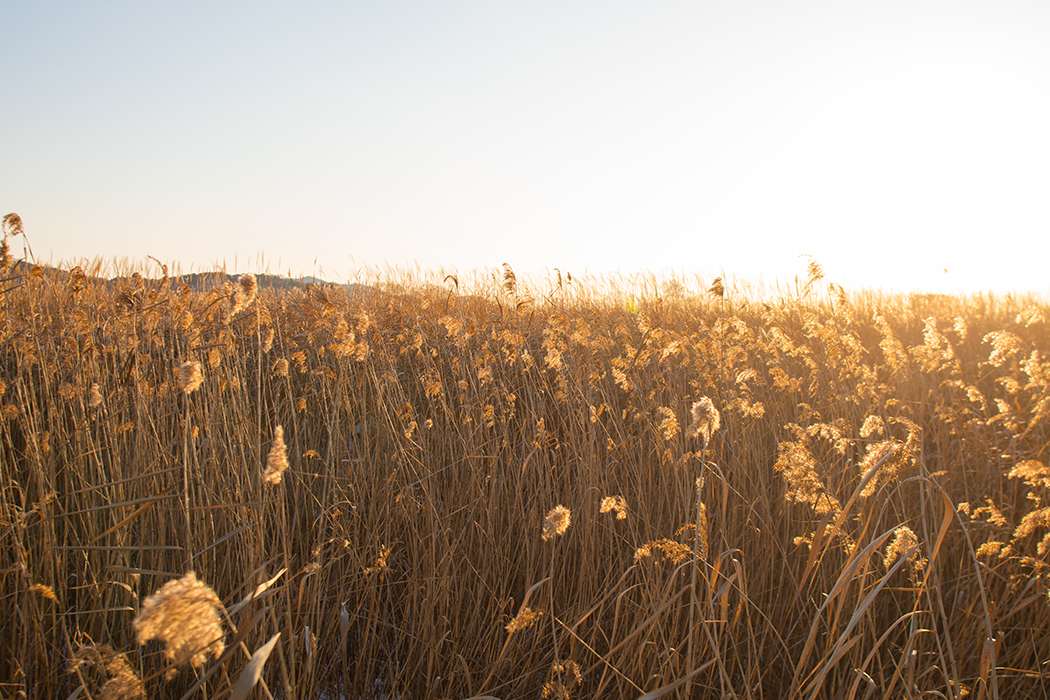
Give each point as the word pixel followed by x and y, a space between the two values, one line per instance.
pixel 615 504
pixel 12 225
pixel 44 591
pixel 122 684
pixel 557 522
pixel 905 541
pixel 668 426
pixel 243 295
pixel 1032 472
pixel 184 614
pixel 563 677
pixel 525 619
pixel 706 420
pixel 190 377
pixel 380 565
pixel 94 397
pixel 799 469
pixel 277 461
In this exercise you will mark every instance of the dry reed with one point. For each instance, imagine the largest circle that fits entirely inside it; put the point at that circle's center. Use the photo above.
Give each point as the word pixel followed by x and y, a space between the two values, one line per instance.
pixel 864 514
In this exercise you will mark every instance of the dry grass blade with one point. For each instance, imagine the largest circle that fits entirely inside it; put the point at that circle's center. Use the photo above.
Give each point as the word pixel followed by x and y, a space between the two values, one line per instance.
pixel 670 687
pixel 845 578
pixel 253 671
pixel 138 511
pixel 868 476
pixel 637 630
pixel 259 590
pixel 842 645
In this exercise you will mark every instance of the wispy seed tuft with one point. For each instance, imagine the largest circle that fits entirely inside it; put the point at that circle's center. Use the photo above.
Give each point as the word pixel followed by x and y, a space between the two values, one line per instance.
pixel 277 461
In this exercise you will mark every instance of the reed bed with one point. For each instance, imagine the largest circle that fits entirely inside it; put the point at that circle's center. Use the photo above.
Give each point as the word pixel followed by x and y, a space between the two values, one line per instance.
pixel 550 488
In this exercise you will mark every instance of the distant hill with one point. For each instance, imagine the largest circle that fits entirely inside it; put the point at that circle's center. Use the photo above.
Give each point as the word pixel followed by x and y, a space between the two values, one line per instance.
pixel 201 281
pixel 197 281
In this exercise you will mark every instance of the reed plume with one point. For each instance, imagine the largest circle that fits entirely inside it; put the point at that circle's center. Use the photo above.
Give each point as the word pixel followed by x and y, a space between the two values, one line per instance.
pixel 706 420
pixel 557 522
pixel 122 682
pixel 614 504
pixel 190 377
pixel 94 396
pixel 243 294
pixel 184 614
pixel 277 460
pixel 526 618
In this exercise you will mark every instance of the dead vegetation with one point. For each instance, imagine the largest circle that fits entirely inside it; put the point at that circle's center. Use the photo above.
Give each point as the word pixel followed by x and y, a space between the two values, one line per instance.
pixel 556 489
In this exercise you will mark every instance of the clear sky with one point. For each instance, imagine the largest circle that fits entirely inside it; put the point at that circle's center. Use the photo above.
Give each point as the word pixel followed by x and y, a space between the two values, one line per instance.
pixel 890 140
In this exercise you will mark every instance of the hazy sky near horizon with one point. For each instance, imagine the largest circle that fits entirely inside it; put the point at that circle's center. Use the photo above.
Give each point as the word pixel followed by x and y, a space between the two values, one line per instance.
pixel 890 140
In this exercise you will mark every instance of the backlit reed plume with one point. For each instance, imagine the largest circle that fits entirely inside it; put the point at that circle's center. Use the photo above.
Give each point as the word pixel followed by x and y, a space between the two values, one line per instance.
pixel 905 541
pixel 1032 472
pixel 12 225
pixel 557 522
pixel 184 614
pixel 380 564
pixel 1036 520
pixel 799 468
pixel 122 683
pixel 525 619
pixel 244 294
pixel 267 340
pixel 562 678
pixel 668 426
pixel 889 457
pixel 706 420
pixel 676 552
pixel 510 280
pixel 190 377
pixel 615 504
pixel 277 461
pixel 873 425
pixel 43 591
pixel 94 396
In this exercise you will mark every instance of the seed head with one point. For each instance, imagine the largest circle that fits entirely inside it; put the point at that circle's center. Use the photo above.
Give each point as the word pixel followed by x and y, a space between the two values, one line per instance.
pixel 706 420
pixel 615 504
pixel 95 397
pixel 557 522
pixel 184 614
pixel 123 683
pixel 525 619
pixel 905 543
pixel 190 377
pixel 243 295
pixel 277 461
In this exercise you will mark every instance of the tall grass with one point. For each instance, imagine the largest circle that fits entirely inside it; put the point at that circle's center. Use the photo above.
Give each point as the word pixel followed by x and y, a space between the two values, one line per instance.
pixel 868 518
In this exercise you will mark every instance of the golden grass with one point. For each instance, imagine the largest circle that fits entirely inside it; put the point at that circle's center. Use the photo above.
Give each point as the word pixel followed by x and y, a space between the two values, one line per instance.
pixel 856 506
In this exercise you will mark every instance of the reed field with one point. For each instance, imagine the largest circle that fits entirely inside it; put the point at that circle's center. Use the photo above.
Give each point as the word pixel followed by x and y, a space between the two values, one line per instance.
pixel 440 487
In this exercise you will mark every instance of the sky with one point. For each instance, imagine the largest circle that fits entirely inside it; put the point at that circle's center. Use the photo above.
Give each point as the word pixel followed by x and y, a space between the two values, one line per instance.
pixel 903 145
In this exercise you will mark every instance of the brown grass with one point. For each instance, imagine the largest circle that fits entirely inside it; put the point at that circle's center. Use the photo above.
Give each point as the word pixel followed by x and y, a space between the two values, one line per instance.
pixel 863 516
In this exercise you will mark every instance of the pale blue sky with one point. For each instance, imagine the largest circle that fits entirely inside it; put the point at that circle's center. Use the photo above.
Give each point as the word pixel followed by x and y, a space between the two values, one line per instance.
pixel 888 139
